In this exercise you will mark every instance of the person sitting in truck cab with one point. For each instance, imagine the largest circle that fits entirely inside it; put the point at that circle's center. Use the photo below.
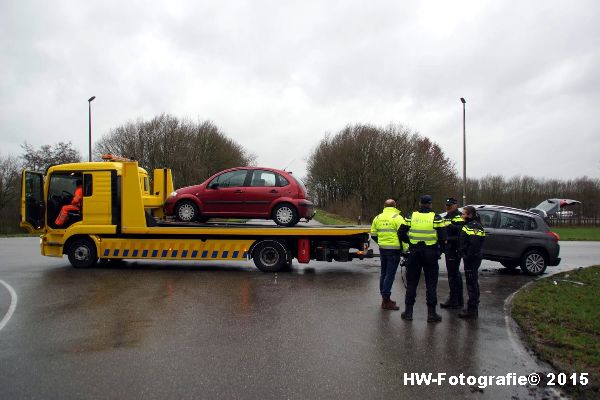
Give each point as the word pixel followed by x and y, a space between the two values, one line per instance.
pixel 75 205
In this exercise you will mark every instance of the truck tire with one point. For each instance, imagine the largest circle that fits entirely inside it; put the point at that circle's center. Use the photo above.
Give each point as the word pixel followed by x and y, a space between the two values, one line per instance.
pixel 82 253
pixel 285 215
pixel 186 211
pixel 534 262
pixel 270 256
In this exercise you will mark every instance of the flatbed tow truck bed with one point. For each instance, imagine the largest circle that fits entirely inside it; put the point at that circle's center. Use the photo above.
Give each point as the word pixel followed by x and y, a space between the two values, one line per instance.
pixel 116 223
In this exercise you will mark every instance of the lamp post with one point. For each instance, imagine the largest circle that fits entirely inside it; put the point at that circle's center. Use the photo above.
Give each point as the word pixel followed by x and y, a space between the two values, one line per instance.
pixel 464 202
pixel 90 125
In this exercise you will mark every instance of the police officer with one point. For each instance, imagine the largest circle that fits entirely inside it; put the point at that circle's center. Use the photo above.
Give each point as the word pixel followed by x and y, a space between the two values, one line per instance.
pixel 384 231
pixel 425 232
pixel 471 241
pixel 454 224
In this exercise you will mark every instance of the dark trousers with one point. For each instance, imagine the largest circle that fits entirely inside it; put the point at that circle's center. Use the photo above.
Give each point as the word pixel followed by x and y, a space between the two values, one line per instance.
pixel 454 276
pixel 389 265
pixel 425 258
pixel 471 276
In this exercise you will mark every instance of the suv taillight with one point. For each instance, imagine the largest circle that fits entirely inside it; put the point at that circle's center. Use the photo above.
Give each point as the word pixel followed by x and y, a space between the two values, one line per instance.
pixel 554 235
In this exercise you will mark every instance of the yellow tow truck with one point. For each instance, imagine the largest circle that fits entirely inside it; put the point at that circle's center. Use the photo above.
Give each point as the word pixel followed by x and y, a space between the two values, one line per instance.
pixel 121 217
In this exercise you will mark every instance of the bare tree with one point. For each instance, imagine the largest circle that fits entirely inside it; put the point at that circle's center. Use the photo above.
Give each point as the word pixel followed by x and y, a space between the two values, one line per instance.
pixel 9 193
pixel 193 150
pixel 46 156
pixel 353 171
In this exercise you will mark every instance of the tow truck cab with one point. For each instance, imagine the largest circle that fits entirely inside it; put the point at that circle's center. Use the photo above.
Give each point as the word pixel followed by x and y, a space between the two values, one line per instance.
pixel 121 218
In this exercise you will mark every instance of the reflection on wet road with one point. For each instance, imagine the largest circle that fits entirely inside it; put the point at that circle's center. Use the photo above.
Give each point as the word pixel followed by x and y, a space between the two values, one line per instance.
pixel 227 330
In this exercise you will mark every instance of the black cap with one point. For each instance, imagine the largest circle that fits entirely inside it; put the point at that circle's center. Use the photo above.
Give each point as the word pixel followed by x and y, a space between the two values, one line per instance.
pixel 450 201
pixel 426 199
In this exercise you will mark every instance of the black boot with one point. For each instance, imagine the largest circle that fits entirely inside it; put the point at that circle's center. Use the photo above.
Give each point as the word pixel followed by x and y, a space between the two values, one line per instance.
pixel 432 316
pixel 407 314
pixel 471 312
pixel 451 304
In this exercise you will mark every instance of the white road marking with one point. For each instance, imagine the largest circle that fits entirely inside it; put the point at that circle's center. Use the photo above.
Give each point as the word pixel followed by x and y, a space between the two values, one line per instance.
pixel 13 304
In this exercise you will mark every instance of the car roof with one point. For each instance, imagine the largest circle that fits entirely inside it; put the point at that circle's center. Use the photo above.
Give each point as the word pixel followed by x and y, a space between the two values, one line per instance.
pixel 505 208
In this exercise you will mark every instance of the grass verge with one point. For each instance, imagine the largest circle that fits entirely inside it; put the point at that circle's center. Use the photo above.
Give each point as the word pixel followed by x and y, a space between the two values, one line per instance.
pixel 327 218
pixel 577 233
pixel 560 319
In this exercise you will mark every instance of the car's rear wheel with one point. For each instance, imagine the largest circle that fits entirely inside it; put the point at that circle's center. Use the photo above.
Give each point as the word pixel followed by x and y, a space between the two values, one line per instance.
pixel 186 211
pixel 534 262
pixel 270 256
pixel 285 215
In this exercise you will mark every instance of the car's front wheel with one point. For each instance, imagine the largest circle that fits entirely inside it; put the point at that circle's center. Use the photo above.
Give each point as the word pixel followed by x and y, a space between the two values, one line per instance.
pixel 186 211
pixel 285 215
pixel 534 262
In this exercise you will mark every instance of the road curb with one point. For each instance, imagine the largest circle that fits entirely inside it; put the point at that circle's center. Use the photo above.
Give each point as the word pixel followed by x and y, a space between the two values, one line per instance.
pixel 516 337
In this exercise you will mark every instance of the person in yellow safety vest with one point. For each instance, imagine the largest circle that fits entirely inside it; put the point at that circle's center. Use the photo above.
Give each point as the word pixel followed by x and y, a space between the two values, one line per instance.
pixel 425 231
pixel 384 232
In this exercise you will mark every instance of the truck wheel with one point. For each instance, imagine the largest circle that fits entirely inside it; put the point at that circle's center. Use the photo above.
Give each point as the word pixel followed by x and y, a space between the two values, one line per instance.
pixel 82 253
pixel 285 215
pixel 186 211
pixel 270 256
pixel 534 262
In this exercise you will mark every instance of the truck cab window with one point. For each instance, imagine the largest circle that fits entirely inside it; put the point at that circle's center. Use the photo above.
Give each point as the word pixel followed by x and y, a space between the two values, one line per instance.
pixel 64 207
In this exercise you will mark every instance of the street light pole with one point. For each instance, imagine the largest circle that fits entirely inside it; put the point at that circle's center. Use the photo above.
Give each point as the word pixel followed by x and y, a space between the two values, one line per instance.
pixel 464 202
pixel 90 125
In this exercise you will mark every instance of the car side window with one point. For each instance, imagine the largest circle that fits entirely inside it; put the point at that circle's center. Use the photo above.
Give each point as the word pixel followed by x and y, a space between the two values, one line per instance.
pixel 262 178
pixel 487 218
pixel 230 179
pixel 282 181
pixel 514 222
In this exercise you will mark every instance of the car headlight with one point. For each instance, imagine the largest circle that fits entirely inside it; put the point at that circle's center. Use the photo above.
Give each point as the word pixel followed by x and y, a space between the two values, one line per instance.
pixel 173 194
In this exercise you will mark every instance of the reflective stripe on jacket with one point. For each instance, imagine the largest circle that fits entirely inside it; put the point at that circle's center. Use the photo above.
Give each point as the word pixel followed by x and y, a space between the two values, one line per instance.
pixel 423 228
pixel 385 227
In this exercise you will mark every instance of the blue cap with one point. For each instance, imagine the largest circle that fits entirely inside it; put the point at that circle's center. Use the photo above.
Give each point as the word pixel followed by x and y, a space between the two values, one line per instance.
pixel 426 199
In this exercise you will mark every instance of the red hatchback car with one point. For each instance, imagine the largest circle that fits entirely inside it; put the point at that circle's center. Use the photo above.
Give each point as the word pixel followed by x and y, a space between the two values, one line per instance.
pixel 245 192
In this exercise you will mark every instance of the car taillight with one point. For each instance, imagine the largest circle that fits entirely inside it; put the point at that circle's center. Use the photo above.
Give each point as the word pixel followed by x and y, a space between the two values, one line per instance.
pixel 554 235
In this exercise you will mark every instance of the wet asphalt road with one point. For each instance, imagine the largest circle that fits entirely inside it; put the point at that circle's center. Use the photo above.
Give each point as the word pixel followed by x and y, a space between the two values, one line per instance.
pixel 158 330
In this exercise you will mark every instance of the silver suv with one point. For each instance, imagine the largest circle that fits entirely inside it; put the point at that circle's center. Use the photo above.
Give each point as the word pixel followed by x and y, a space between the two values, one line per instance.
pixel 517 237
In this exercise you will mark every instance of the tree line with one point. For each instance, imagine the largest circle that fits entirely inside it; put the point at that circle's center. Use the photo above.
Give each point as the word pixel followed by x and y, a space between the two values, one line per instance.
pixel 349 173
pixel 352 172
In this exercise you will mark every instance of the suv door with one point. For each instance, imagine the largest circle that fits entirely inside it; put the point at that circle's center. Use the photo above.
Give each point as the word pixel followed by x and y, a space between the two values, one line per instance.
pixel 513 230
pixel 489 220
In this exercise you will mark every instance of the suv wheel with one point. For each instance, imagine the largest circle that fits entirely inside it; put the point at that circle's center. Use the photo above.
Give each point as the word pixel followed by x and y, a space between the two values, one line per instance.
pixel 285 215
pixel 534 262
pixel 186 211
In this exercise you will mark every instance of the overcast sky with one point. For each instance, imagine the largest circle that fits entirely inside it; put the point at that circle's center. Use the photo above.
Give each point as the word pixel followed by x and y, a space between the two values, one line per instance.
pixel 277 75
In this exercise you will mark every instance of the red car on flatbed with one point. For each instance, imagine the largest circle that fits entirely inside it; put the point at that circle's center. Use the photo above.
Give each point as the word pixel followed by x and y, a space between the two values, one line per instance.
pixel 243 192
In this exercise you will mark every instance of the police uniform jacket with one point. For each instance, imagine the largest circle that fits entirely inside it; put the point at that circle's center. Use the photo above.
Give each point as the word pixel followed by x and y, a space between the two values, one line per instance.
pixel 471 240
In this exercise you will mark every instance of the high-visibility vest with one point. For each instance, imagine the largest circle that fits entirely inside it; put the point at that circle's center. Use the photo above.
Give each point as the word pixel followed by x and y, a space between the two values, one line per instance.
pixel 422 228
pixel 385 226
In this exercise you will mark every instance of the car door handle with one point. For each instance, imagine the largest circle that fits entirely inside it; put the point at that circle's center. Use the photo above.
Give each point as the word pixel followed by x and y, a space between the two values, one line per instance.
pixel 239 191
pixel 274 191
